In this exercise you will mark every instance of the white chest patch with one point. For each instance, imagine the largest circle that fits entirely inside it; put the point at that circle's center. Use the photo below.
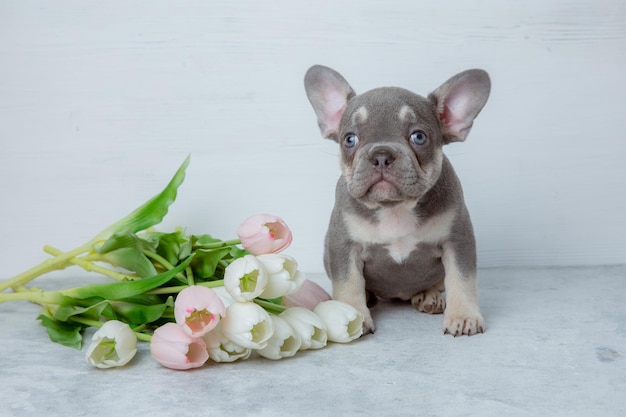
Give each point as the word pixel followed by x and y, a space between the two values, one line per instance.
pixel 398 230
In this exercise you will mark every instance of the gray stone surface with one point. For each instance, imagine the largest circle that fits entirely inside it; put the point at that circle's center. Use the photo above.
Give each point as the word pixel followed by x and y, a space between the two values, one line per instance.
pixel 554 346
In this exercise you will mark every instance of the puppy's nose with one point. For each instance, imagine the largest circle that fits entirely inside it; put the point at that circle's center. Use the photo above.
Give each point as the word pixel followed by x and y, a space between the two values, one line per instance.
pixel 382 159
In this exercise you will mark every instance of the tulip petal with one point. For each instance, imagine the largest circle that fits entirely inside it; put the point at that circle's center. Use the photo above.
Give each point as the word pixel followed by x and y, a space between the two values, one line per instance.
pixel 343 322
pixel 114 344
pixel 311 328
pixel 198 309
pixel 173 348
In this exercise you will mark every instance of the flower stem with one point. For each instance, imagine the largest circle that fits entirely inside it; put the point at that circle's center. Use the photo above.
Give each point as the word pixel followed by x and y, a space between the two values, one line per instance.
pixel 58 262
pixel 143 337
pixel 164 263
pixel 177 289
pixel 269 306
pixel 95 323
pixel 90 266
pixel 34 295
pixel 220 244
pixel 190 279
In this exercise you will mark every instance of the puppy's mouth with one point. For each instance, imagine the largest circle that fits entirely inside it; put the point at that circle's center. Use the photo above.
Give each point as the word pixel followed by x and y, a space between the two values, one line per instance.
pixel 384 190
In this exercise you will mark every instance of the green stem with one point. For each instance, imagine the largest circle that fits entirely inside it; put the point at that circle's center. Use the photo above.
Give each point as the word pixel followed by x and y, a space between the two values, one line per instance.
pixel 90 266
pixel 220 244
pixel 164 263
pixel 190 279
pixel 58 262
pixel 86 322
pixel 269 306
pixel 177 289
pixel 34 295
pixel 95 323
pixel 143 337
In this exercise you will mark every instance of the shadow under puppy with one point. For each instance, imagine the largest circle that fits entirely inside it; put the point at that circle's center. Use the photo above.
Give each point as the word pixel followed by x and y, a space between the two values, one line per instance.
pixel 400 227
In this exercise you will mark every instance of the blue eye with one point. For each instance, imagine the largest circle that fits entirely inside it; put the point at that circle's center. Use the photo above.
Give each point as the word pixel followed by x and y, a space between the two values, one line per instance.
pixel 350 140
pixel 418 137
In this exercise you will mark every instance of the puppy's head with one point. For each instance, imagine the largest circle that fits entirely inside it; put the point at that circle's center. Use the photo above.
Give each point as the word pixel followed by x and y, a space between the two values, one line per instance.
pixel 391 139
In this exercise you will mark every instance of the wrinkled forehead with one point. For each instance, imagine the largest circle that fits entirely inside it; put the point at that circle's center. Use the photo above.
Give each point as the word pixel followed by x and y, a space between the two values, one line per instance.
pixel 389 103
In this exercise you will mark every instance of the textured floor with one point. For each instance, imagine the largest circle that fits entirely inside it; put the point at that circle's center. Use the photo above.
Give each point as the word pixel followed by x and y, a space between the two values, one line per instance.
pixel 555 346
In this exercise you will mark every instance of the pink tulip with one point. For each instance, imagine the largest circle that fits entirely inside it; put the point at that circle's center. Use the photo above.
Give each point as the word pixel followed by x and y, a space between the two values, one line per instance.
pixel 309 295
pixel 173 348
pixel 198 310
pixel 263 233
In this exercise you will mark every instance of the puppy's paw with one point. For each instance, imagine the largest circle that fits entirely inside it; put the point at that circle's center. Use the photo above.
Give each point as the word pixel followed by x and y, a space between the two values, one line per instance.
pixel 457 325
pixel 368 323
pixel 430 301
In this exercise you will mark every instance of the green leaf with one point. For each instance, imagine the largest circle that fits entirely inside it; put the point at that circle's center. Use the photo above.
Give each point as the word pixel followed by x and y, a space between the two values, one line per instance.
pixel 126 250
pixel 125 289
pixel 150 213
pixel 92 312
pixel 171 246
pixel 205 261
pixel 200 240
pixel 61 332
pixel 236 252
pixel 140 314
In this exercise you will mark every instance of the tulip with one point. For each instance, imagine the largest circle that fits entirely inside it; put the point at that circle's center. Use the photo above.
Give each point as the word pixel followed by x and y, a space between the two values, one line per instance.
pixel 221 349
pixel 247 325
pixel 173 348
pixel 344 323
pixel 308 325
pixel 114 344
pixel 224 295
pixel 309 295
pixel 198 310
pixel 284 343
pixel 283 275
pixel 263 233
pixel 245 278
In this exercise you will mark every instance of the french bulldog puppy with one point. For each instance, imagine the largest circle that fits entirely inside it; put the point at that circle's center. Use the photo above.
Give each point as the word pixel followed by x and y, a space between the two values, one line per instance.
pixel 400 227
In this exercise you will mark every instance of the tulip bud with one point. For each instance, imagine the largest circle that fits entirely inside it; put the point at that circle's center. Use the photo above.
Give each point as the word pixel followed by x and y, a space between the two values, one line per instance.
pixel 114 344
pixel 247 325
pixel 308 325
pixel 198 309
pixel 284 343
pixel 173 348
pixel 264 233
pixel 283 275
pixel 344 323
pixel 309 295
pixel 245 278
pixel 221 349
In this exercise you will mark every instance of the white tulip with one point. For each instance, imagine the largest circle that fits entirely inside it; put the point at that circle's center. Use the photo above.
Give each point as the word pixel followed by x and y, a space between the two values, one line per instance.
pixel 344 323
pixel 283 274
pixel 224 295
pixel 284 343
pixel 114 344
pixel 245 278
pixel 308 325
pixel 222 349
pixel 247 325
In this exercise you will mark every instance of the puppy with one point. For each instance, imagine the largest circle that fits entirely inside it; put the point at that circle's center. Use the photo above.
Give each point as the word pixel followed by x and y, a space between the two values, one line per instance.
pixel 399 227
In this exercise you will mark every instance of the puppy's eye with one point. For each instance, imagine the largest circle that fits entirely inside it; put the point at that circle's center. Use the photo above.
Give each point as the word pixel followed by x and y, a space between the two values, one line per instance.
pixel 418 137
pixel 350 140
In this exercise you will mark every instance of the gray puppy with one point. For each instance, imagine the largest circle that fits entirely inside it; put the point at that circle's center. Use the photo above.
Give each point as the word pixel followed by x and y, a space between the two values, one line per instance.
pixel 400 228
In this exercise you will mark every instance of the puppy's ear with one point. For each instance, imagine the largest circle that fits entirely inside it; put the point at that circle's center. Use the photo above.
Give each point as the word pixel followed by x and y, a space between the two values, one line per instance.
pixel 328 93
pixel 459 100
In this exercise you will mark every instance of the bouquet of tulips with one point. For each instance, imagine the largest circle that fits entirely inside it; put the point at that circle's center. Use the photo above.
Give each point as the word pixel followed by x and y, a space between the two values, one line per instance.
pixel 192 297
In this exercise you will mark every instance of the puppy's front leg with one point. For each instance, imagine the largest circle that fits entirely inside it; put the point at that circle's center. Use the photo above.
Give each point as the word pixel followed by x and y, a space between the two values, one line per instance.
pixel 462 315
pixel 349 287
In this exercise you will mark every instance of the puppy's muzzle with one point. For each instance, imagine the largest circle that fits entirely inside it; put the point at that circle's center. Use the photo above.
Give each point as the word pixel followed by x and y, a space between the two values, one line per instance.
pixel 381 158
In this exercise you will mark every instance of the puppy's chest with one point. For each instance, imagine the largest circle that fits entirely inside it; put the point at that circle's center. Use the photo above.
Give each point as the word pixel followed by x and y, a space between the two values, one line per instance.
pixel 398 230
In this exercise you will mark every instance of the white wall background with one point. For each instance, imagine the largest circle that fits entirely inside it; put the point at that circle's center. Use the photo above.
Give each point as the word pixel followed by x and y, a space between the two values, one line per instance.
pixel 100 101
